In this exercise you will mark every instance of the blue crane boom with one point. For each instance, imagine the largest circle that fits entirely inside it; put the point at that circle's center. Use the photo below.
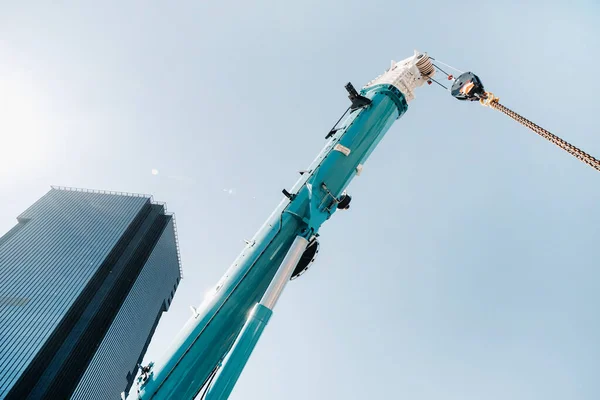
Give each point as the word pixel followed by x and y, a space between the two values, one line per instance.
pixel 211 350
pixel 215 343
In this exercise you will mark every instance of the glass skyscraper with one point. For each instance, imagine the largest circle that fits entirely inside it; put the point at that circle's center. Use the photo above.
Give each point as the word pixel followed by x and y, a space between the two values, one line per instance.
pixel 84 279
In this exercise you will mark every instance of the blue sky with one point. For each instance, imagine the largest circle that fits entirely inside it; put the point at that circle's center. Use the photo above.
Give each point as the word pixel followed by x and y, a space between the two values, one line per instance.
pixel 467 266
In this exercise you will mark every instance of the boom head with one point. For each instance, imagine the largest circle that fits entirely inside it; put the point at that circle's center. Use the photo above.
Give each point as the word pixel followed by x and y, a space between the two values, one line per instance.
pixel 408 74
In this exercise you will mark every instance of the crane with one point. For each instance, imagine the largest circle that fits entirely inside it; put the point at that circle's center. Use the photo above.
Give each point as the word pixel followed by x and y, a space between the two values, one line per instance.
pixel 208 355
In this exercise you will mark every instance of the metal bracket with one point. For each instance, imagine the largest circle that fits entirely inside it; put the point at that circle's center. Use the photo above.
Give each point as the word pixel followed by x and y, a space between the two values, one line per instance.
pixel 300 217
pixel 289 195
pixel 357 100
pixel 329 194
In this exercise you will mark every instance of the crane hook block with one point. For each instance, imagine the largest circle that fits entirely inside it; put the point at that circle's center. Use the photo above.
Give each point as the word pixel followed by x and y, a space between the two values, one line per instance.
pixel 468 86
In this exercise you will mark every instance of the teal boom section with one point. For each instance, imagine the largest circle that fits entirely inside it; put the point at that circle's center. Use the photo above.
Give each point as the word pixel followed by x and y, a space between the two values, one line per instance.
pixel 239 355
pixel 207 337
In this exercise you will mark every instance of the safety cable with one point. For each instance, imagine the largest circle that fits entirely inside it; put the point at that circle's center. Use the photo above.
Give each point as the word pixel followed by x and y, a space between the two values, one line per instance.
pixel 209 382
pixel 333 130
pixel 447 74
pixel 430 78
pixel 446 65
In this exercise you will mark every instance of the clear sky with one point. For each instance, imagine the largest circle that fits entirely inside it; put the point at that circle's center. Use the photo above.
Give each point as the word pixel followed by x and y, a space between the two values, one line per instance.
pixel 467 267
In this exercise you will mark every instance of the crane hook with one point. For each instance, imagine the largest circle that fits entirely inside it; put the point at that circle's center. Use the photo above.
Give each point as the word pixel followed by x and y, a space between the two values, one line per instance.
pixel 469 87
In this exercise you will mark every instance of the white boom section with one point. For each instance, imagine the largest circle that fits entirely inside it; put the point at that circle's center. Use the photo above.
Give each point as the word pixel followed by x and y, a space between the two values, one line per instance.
pixel 408 74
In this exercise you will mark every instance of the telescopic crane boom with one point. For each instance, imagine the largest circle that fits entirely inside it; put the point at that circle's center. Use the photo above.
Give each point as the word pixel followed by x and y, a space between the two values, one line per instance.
pixel 210 352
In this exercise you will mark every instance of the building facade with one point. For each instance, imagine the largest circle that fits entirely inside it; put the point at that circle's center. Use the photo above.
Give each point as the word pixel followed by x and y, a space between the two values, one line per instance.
pixel 84 279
